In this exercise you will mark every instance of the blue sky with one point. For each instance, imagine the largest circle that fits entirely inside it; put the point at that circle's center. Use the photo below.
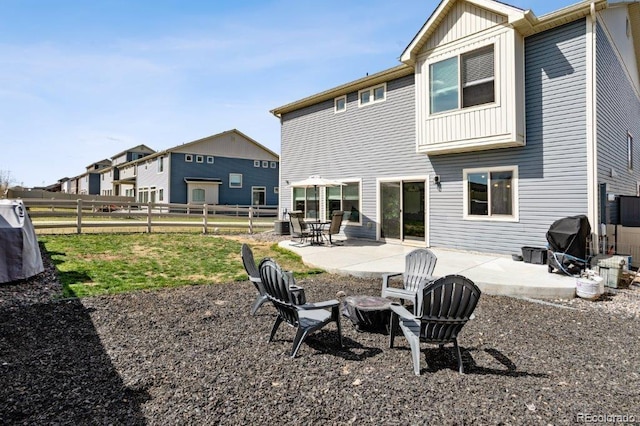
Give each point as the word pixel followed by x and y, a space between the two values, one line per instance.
pixel 81 81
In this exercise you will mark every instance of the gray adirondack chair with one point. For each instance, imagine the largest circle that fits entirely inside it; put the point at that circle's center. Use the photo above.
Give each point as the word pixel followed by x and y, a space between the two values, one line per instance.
pixel 418 270
pixel 254 276
pixel 446 306
pixel 281 290
pixel 334 227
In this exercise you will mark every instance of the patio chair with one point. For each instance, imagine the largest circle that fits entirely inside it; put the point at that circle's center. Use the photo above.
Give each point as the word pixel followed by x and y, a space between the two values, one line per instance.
pixel 418 270
pixel 446 306
pixel 298 227
pixel 334 227
pixel 254 276
pixel 280 288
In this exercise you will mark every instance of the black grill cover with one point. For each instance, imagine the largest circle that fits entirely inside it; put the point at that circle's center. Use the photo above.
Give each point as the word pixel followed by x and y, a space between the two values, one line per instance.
pixel 569 236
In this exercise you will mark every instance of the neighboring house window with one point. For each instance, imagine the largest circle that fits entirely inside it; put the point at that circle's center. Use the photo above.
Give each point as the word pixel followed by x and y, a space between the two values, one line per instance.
pixel 276 189
pixel 265 164
pixel 160 164
pixel 345 198
pixel 209 159
pixel 629 151
pixel 199 159
pixel 197 195
pixel 340 104
pixel 372 95
pixel 161 194
pixel 258 195
pixel 256 163
pixel 235 180
pixel 188 158
pixel 491 193
pixel 473 85
pixel 273 164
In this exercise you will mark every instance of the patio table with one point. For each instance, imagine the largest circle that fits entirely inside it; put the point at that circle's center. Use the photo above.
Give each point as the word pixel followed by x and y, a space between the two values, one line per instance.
pixel 317 226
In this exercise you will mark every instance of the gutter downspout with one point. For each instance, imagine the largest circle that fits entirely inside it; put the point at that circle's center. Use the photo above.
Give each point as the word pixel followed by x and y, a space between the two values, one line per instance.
pixel 592 146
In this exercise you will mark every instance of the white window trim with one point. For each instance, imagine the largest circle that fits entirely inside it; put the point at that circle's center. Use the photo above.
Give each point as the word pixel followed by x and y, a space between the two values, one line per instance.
pixel 360 215
pixel 265 164
pixel 235 186
pixel 256 163
pixel 199 158
pixel 276 189
pixel 210 159
pixel 371 91
pixel 335 104
pixel 459 54
pixel 261 189
pixel 273 165
pixel 188 158
pixel 497 218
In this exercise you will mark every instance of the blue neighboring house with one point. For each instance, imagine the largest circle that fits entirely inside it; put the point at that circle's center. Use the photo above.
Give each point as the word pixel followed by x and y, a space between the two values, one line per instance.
pixel 495 124
pixel 226 168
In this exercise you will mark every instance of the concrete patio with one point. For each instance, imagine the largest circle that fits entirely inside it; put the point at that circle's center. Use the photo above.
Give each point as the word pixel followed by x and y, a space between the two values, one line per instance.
pixel 494 273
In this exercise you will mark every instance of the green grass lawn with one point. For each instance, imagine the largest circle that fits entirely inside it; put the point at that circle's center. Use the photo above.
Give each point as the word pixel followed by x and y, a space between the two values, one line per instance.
pixel 93 264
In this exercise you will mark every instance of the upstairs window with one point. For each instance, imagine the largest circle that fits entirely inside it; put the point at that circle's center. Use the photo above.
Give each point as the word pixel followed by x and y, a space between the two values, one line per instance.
pixel 340 104
pixel 372 95
pixel 462 81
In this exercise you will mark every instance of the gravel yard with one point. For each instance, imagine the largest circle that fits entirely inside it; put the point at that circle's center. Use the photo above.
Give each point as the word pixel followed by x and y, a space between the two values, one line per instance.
pixel 194 355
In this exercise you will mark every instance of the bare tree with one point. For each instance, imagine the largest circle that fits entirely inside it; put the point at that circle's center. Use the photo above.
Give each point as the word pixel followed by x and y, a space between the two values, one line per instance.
pixel 5 181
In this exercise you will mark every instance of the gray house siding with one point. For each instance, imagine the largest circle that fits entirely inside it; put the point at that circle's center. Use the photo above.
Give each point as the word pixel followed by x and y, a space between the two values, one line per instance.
pixel 617 109
pixel 361 143
pixel 379 141
pixel 552 166
pixel 94 184
pixel 221 168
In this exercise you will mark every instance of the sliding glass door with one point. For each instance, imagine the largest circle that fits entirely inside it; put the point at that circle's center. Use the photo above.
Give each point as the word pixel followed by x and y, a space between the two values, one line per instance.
pixel 403 210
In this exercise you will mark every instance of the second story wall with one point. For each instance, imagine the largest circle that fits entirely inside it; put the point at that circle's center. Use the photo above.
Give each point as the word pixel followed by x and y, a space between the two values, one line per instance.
pixel 617 109
pixel 221 168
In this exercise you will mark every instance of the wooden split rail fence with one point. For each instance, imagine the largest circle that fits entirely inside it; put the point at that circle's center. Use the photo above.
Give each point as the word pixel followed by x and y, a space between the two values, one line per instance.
pixel 82 214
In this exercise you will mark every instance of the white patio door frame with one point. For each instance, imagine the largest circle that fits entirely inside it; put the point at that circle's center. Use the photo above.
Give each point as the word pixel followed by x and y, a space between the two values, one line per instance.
pixel 401 180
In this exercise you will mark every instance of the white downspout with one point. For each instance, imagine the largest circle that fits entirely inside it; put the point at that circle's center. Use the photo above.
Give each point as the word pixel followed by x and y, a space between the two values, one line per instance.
pixel 592 148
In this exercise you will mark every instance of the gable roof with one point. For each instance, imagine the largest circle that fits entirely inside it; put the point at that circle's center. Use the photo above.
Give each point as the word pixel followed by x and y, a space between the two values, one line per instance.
pixel 138 148
pixel 187 144
pixel 513 15
pixel 525 21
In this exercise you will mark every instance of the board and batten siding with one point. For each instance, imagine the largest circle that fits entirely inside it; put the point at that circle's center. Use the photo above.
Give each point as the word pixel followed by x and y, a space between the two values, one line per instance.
pixel 552 167
pixel 618 112
pixel 462 20
pixel 360 144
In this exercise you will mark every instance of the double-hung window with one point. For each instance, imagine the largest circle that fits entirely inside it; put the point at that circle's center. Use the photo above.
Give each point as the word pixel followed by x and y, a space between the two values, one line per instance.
pixel 462 81
pixel 491 193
